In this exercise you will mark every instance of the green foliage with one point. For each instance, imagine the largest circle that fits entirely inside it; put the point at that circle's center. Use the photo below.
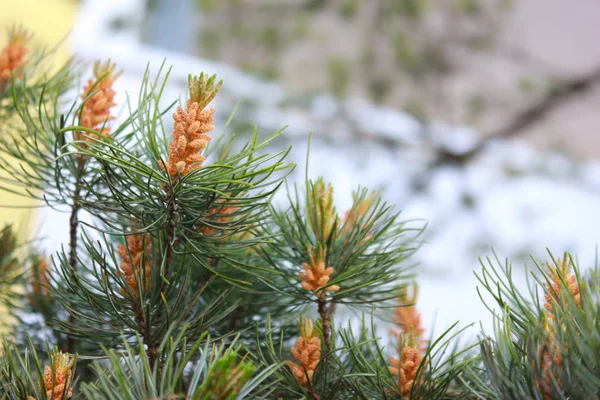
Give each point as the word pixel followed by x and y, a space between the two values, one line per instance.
pixel 11 269
pixel 379 36
pixel 349 8
pixel 23 373
pixel 416 108
pixel 469 7
pixel 357 367
pixel 366 246
pixel 380 89
pixel 367 363
pixel 339 76
pixel 209 43
pixel 410 8
pixel 207 5
pixel 313 5
pixel 200 370
pixel 270 38
pixel 226 379
pixel 476 106
pixel 203 89
pixel 187 285
pixel 527 85
pixel 537 352
pixel 407 56
pixel 268 72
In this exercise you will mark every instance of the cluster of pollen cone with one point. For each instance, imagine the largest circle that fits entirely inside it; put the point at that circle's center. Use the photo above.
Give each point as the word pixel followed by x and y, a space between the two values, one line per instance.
pixel 307 352
pixel 98 95
pixel 135 262
pixel 550 353
pixel 13 56
pixel 316 274
pixel 57 379
pixel 325 222
pixel 191 127
pixel 411 344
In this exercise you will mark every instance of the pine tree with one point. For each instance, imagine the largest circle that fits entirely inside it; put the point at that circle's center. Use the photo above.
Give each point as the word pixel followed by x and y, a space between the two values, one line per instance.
pixel 190 283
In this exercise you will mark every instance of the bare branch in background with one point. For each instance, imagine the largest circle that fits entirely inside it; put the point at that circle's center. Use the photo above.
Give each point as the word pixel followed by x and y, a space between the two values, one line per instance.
pixel 562 94
pixel 528 117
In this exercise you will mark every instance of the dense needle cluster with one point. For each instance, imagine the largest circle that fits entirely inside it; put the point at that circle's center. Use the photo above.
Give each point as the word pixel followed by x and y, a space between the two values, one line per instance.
pixel 307 352
pixel 191 127
pixel 322 219
pixel 327 227
pixel 137 250
pixel 226 378
pixel 218 214
pixel 321 210
pixel 12 56
pixel 357 214
pixel 307 253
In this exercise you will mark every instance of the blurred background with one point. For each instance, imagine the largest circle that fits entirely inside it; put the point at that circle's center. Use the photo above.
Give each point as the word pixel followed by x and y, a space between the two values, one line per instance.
pixel 478 117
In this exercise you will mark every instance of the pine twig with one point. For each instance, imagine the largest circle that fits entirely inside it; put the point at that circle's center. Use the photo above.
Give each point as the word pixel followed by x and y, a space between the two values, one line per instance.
pixel 172 241
pixel 73 237
pixel 325 322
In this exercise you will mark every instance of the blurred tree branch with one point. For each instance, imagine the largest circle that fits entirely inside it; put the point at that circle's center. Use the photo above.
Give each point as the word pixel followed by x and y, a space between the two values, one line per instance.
pixel 563 93
pixel 528 117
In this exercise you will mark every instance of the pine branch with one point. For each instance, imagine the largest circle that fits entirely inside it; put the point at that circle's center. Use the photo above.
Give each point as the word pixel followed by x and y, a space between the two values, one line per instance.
pixel 171 240
pixel 325 323
pixel 73 236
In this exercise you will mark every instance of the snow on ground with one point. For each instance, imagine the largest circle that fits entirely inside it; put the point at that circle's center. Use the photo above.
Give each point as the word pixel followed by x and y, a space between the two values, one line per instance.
pixel 514 198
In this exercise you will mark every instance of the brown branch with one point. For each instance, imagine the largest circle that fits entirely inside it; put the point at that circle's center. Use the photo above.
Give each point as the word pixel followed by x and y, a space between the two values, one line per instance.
pixel 528 117
pixel 73 225
pixel 73 237
pixel 523 120
pixel 325 322
pixel 172 242
pixel 235 316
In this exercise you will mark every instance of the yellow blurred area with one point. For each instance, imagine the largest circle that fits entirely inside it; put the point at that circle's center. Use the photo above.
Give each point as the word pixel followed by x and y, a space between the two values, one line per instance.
pixel 49 21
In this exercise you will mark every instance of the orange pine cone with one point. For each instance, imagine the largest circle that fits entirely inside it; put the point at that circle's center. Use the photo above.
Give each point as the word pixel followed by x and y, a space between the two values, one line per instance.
pixel 190 128
pixel 132 256
pixel 316 274
pixel 57 379
pixel 39 280
pixel 553 290
pixel 219 214
pixel 405 368
pixel 95 113
pixel 307 352
pixel 189 138
pixel 550 354
pixel 408 319
pixel 12 56
pixel 551 361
